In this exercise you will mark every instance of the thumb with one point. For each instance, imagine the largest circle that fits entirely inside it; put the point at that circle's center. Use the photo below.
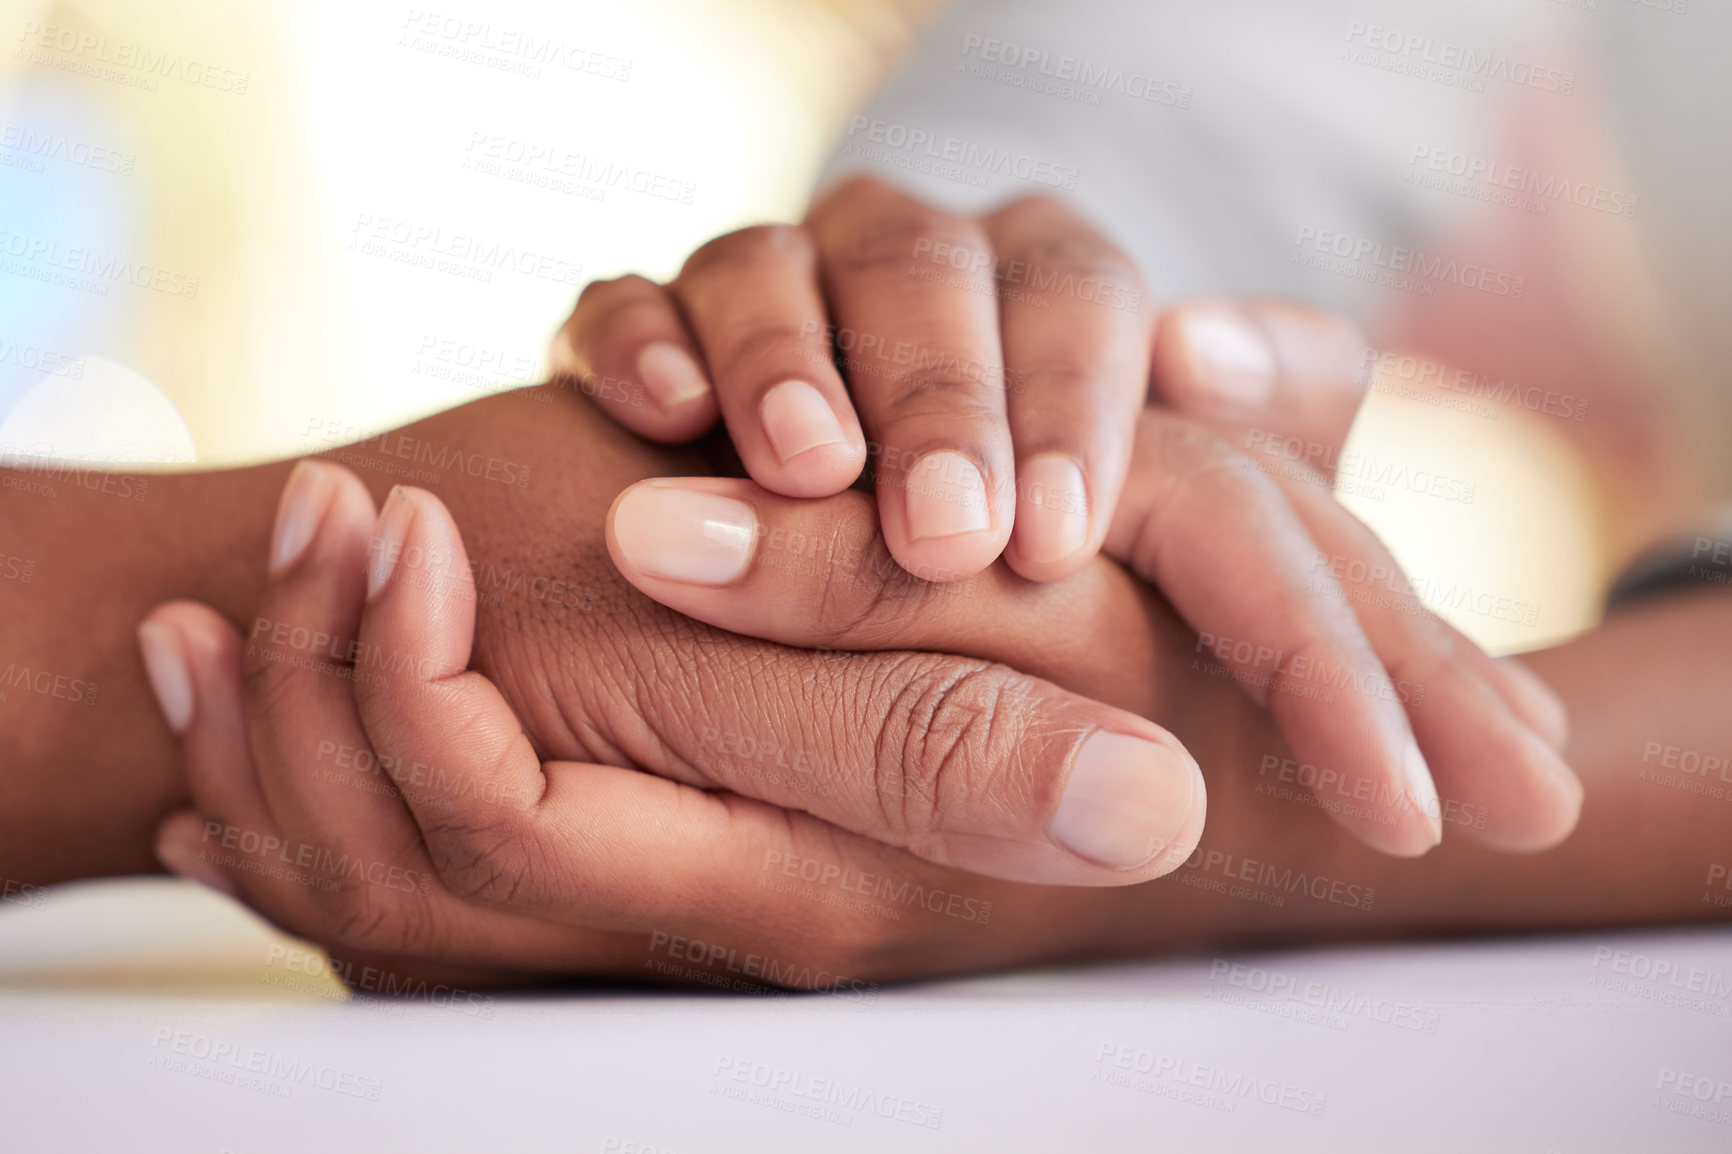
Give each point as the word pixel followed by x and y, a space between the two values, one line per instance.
pixel 962 761
pixel 1287 380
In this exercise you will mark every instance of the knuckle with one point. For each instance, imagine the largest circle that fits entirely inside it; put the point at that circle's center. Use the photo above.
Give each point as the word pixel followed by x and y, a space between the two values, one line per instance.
pixel 1204 463
pixel 268 687
pixel 867 604
pixel 889 243
pixel 770 343
pixel 1083 257
pixel 1197 474
pixel 357 918
pixel 482 857
pixel 1046 230
pixel 856 188
pixel 951 392
pixel 946 736
pixel 727 254
pixel 615 291
pixel 616 327
pixel 1053 385
pixel 605 306
pixel 1433 649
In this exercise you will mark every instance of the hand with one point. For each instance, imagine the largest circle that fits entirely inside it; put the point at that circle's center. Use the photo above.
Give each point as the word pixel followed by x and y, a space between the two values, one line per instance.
pixel 394 811
pixel 999 420
pixel 1372 691
pixel 326 847
pixel 392 807
pixel 966 763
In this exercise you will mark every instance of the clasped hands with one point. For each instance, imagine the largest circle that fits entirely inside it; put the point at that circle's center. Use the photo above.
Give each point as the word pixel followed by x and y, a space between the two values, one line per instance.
pixel 783 705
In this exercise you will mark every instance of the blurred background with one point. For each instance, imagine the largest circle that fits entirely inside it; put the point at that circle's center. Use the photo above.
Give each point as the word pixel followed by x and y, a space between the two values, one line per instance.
pixel 230 232
pixel 297 168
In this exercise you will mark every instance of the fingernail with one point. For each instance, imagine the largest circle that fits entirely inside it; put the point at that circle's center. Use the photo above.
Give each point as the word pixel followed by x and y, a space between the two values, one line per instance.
pixel 1127 800
pixel 166 668
pixel 1052 522
pixel 182 858
pixel 670 374
pixel 797 418
pixel 1230 358
pixel 388 538
pixel 1541 707
pixel 305 499
pixel 1421 789
pixel 945 497
pixel 684 535
pixel 1543 754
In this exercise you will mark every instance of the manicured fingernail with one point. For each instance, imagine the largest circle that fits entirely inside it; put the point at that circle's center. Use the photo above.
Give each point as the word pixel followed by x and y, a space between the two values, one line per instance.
pixel 945 496
pixel 181 858
pixel 797 418
pixel 1127 800
pixel 388 538
pixel 1229 356
pixel 306 496
pixel 685 535
pixel 670 374
pixel 166 668
pixel 1421 789
pixel 1052 520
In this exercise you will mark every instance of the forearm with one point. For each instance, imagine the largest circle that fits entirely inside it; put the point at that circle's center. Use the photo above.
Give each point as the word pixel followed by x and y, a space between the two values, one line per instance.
pixel 86 763
pixel 83 783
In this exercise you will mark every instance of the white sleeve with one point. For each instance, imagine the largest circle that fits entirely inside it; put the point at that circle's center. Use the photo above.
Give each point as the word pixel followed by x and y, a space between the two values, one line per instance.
pixel 1205 138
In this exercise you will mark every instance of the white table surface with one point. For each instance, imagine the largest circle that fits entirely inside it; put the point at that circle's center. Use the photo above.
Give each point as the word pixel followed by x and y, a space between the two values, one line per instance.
pixel 1570 1044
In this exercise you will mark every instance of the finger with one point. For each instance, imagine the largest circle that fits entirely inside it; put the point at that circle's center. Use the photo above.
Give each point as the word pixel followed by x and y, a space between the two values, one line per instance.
pixel 626 347
pixel 965 763
pixel 755 304
pixel 1076 354
pixel 179 846
pixel 230 840
pixel 1288 379
pixel 1223 543
pixel 594 844
pixel 302 664
pixel 368 894
pixel 806 574
pixel 931 390
pixel 1500 783
pixel 1535 702
pixel 653 857
pixel 447 729
pixel 1285 382
pixel 828 581
pixel 371 891
pixel 346 836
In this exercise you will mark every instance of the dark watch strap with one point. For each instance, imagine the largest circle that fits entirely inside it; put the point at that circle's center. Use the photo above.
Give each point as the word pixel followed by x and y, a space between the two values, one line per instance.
pixel 1693 561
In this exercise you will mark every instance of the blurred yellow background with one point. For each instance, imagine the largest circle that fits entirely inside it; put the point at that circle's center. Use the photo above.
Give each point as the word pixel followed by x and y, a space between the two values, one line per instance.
pixel 307 163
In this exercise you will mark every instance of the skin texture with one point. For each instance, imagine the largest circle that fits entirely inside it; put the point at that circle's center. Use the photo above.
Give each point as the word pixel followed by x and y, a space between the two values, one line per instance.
pixel 83 799
pixel 561 883
pixel 1027 396
pixel 957 336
